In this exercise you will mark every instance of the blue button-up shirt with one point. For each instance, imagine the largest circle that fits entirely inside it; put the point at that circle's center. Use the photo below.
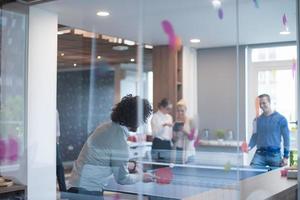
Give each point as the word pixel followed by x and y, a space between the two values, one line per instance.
pixel 268 131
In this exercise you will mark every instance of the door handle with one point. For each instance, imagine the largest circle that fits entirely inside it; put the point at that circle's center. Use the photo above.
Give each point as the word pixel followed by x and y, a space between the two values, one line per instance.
pixel 296 122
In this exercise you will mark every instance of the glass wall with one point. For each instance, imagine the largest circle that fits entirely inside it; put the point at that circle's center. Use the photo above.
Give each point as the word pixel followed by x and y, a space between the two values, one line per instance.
pixel 13 163
pixel 197 129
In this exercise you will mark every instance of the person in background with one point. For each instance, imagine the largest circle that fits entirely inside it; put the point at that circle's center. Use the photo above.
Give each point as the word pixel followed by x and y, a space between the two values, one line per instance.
pixel 60 174
pixel 106 151
pixel 268 129
pixel 184 135
pixel 161 124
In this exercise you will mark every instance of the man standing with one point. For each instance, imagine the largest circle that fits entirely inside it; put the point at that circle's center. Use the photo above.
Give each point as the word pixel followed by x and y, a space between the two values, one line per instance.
pixel 268 129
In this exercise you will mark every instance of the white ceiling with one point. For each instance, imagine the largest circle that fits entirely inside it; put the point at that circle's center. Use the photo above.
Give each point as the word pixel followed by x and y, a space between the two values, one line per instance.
pixel 190 19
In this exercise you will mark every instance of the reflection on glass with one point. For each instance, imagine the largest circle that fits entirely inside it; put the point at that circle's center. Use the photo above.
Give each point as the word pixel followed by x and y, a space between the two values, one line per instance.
pixel 172 50
pixel 12 101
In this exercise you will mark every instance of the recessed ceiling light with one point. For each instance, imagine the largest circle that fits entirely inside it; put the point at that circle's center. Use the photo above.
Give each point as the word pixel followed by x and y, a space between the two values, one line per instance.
pixel 62 54
pixel 98 57
pixel 63 31
pixel 132 60
pixel 216 3
pixel 129 42
pixel 195 40
pixel 285 32
pixel 74 64
pixel 147 46
pixel 102 13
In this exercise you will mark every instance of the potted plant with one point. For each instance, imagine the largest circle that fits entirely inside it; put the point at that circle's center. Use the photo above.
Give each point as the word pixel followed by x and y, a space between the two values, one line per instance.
pixel 220 134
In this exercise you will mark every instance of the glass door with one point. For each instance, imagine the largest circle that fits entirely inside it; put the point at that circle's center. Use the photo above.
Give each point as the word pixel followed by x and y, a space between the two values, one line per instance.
pixel 272 71
pixel 280 84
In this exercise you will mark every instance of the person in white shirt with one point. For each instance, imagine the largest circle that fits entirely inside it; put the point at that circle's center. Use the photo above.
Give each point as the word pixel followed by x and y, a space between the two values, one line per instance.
pixel 162 123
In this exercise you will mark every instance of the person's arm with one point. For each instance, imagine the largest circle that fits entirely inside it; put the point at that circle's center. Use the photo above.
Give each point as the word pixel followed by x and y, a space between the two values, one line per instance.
pixel 253 139
pixel 193 133
pixel 284 129
pixel 119 161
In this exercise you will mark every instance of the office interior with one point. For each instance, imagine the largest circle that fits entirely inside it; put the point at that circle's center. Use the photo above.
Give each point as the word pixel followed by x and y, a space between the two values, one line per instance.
pixel 69 62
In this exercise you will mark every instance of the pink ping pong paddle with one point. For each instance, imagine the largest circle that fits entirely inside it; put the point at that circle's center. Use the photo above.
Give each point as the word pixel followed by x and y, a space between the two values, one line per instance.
pixel 164 175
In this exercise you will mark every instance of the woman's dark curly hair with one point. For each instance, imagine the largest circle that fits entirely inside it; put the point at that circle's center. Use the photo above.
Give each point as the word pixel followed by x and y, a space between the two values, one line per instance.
pixel 126 111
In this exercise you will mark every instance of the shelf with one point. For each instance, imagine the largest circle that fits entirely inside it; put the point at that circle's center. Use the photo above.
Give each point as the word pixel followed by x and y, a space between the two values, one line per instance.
pixel 218 143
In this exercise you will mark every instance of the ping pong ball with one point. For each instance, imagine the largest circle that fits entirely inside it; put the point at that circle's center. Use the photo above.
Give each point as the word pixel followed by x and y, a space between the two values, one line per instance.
pixel 171 165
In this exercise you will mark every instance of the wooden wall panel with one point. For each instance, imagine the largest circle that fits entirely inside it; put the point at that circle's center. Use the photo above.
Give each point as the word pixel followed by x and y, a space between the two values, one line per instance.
pixel 165 69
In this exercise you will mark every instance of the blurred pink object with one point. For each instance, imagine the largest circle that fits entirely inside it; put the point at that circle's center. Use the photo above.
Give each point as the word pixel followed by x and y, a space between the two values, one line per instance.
pixel 2 149
pixel 197 141
pixel 220 13
pixel 131 138
pixel 284 19
pixel 13 149
pixel 168 29
pixel 191 136
pixel 117 196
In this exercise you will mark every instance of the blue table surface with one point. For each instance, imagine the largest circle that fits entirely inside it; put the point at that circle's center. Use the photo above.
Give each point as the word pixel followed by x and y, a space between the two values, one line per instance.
pixel 187 182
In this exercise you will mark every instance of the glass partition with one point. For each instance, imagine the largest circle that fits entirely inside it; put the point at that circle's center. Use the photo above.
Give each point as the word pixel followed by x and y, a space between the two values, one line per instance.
pixel 13 75
pixel 161 99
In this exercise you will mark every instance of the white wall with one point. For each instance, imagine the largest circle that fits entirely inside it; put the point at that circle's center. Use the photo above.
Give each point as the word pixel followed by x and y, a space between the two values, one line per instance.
pixel 41 151
pixel 217 89
pixel 189 79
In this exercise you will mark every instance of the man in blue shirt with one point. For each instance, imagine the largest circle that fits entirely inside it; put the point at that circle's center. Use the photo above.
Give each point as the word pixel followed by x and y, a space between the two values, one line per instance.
pixel 268 128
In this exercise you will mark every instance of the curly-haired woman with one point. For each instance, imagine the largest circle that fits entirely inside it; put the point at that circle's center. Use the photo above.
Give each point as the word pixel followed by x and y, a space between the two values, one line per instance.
pixel 106 151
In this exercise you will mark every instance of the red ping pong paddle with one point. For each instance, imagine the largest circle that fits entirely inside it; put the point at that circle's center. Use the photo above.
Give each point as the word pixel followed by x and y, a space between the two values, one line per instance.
pixel 244 147
pixel 164 175
pixel 283 172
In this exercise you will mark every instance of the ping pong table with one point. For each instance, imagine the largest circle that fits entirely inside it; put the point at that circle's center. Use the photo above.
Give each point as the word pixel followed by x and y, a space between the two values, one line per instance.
pixel 189 181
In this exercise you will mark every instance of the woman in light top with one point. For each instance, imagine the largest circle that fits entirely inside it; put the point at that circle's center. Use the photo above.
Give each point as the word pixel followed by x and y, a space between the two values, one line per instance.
pixel 161 125
pixel 184 135
pixel 106 151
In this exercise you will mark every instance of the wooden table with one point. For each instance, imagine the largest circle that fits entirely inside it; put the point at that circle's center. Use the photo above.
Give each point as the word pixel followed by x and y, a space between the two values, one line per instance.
pixel 15 190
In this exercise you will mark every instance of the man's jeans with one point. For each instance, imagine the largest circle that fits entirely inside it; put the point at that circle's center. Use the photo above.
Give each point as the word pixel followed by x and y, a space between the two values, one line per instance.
pixel 264 158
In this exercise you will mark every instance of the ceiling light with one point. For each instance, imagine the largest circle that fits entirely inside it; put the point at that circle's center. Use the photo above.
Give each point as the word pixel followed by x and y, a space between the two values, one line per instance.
pixel 129 42
pixel 63 31
pixel 74 64
pixel 98 57
pixel 216 3
pixel 284 32
pixel 147 46
pixel 132 60
pixel 120 48
pixel 62 54
pixel 195 40
pixel 102 13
